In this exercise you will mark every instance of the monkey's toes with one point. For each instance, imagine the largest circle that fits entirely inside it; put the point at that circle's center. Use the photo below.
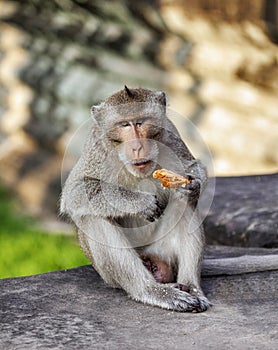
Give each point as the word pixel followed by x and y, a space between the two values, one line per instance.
pixel 204 304
pixel 186 302
pixel 196 302
pixel 182 287
pixel 183 301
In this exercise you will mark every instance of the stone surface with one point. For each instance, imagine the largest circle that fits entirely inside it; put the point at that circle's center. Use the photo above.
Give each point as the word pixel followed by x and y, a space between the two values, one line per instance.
pixel 74 309
pixel 244 212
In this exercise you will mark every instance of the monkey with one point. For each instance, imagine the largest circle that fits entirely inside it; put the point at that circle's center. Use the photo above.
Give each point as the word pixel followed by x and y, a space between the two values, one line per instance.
pixel 140 237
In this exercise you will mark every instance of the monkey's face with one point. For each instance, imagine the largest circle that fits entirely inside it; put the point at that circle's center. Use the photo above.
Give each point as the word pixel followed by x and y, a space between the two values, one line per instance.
pixel 135 139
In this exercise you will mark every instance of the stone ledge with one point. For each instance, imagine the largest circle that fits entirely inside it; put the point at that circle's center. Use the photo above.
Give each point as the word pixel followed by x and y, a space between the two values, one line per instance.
pixel 244 212
pixel 75 309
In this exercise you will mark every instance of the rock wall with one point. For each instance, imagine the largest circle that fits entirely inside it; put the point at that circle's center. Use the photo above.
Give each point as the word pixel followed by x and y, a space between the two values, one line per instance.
pixel 215 60
pixel 235 70
pixel 57 60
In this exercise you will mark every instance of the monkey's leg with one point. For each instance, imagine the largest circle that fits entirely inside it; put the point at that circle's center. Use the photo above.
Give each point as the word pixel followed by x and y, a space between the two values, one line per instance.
pixel 190 253
pixel 122 267
pixel 182 246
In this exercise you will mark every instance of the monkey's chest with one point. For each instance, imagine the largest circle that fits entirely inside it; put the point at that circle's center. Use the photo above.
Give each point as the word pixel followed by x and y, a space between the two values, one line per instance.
pixel 139 232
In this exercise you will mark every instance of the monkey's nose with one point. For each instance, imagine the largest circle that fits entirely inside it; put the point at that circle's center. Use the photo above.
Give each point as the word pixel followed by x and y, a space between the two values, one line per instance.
pixel 136 147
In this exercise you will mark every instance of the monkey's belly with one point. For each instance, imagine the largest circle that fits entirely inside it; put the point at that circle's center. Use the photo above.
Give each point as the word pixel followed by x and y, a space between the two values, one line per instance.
pixel 139 232
pixel 132 222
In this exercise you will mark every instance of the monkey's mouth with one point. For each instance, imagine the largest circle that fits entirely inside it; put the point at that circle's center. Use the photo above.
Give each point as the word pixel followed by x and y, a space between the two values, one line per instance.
pixel 141 164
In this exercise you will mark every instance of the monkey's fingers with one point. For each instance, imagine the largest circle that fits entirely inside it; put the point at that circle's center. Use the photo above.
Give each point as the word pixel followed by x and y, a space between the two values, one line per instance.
pixel 194 191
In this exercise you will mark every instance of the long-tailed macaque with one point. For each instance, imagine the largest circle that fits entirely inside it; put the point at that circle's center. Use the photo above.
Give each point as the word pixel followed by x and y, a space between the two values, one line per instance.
pixel 139 236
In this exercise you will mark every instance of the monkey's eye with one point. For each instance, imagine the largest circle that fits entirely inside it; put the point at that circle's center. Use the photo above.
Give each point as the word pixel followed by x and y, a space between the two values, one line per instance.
pixel 124 124
pixel 139 122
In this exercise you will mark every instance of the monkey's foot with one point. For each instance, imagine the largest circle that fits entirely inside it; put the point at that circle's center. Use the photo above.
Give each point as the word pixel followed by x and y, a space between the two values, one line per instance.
pixel 204 303
pixel 171 298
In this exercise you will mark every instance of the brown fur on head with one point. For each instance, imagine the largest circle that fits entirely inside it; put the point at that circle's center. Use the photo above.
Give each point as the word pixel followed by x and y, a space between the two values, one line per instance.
pixel 128 95
pixel 130 102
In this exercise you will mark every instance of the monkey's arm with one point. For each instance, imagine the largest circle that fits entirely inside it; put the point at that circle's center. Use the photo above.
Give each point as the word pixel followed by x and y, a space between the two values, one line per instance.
pixel 84 195
pixel 112 200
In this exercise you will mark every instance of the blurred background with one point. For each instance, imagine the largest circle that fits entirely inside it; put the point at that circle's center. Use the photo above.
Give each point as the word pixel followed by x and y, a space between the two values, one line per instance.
pixel 217 60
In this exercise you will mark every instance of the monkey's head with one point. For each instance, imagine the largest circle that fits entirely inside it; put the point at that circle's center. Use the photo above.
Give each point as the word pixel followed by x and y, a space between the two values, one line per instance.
pixel 132 122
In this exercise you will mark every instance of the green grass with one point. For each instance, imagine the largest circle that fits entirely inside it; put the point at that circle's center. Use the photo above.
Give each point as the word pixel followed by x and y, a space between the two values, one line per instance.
pixel 27 250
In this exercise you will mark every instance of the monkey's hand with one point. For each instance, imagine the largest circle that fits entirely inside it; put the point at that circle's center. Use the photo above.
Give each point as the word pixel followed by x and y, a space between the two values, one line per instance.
pixel 192 190
pixel 153 209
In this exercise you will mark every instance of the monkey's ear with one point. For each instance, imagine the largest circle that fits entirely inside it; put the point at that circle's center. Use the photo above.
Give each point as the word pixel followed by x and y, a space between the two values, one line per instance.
pixel 96 113
pixel 95 110
pixel 161 96
pixel 128 91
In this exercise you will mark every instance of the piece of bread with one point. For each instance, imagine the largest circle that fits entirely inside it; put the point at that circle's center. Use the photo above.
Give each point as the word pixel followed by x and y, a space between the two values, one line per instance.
pixel 169 179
